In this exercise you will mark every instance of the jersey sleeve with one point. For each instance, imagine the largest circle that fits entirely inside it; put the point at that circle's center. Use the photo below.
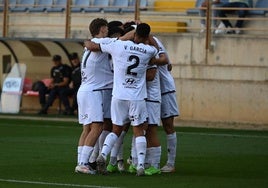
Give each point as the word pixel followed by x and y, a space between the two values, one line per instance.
pixel 109 47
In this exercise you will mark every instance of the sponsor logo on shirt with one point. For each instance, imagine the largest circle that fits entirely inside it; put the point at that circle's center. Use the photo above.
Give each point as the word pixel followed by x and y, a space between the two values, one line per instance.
pixel 130 83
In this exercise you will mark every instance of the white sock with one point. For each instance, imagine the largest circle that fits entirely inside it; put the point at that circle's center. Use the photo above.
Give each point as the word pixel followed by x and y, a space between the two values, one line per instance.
pixel 118 144
pixel 102 137
pixel 86 152
pixel 171 146
pixel 79 151
pixel 108 144
pixel 134 152
pixel 155 156
pixel 95 153
pixel 141 150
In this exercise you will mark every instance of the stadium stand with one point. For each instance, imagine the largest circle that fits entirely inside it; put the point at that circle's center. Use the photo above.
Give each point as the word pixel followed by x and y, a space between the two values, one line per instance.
pixel 116 6
pixel 97 6
pixel 41 6
pixel 58 6
pixel 23 6
pixel 194 11
pixel 131 6
pixel 1 5
pixel 260 4
pixel 80 5
pixel 12 4
pixel 174 6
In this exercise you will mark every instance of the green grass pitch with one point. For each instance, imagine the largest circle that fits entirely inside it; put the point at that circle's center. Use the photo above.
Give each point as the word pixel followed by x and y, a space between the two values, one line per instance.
pixel 42 154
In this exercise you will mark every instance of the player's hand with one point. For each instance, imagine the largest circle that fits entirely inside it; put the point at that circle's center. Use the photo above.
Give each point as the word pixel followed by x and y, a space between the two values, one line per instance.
pixel 87 43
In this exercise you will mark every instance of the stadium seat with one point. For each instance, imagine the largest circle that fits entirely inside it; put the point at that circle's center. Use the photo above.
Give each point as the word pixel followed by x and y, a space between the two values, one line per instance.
pixel 195 10
pixel 131 6
pixel 1 5
pixel 260 4
pixel 80 5
pixel 12 4
pixel 116 6
pixel 58 6
pixel 97 6
pixel 41 6
pixel 23 6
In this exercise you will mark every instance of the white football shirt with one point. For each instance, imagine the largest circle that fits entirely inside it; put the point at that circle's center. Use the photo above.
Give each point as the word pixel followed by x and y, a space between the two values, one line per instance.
pixel 96 70
pixel 153 87
pixel 167 83
pixel 130 61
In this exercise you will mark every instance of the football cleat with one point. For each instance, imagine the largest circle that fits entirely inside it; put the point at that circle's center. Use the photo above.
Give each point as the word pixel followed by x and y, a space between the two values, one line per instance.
pixel 168 168
pixel 132 169
pixel 112 168
pixel 101 165
pixel 120 166
pixel 140 172
pixel 84 169
pixel 152 170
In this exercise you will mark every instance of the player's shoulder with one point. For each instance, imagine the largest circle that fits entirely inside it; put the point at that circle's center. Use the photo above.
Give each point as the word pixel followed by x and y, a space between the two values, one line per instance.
pixel 105 40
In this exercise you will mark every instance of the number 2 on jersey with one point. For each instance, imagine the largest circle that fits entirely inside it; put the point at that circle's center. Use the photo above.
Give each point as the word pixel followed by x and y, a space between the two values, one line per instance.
pixel 130 67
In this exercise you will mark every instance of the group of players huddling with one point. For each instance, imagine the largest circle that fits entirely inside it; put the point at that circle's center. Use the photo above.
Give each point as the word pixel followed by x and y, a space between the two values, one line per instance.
pixel 126 80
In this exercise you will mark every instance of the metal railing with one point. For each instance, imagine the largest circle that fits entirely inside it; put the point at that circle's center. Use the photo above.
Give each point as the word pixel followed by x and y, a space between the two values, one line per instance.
pixel 152 13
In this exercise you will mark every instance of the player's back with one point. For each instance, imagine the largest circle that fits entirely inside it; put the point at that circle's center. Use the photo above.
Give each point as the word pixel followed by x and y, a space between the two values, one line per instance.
pixel 130 61
pixel 96 70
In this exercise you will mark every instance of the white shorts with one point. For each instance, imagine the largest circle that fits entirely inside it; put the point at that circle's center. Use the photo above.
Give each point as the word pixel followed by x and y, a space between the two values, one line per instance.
pixel 106 100
pixel 153 109
pixel 169 106
pixel 125 111
pixel 90 108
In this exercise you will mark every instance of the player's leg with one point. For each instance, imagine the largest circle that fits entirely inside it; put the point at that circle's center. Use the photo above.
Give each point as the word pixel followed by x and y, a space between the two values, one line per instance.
pixel 169 109
pixel 107 126
pixel 138 109
pixel 93 156
pixel 153 152
pixel 85 131
pixel 90 114
pixel 116 162
pixel 117 107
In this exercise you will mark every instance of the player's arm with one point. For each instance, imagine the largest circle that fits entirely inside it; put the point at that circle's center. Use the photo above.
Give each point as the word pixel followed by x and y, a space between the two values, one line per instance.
pixel 150 73
pixel 161 60
pixel 128 36
pixel 152 42
pixel 92 46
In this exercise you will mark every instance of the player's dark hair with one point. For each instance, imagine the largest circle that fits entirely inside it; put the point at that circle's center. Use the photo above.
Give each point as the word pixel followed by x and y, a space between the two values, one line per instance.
pixel 115 30
pixel 115 23
pixel 128 26
pixel 143 30
pixel 96 24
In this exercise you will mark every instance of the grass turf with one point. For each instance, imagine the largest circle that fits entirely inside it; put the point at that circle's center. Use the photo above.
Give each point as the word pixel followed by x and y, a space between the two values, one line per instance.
pixel 39 152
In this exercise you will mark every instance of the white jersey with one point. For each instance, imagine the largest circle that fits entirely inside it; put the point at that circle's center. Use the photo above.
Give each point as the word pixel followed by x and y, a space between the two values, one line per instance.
pixel 167 83
pixel 130 61
pixel 96 70
pixel 153 88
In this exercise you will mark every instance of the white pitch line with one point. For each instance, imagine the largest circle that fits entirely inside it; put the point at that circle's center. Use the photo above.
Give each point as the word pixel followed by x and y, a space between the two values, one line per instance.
pixel 53 184
pixel 186 133
pixel 224 135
